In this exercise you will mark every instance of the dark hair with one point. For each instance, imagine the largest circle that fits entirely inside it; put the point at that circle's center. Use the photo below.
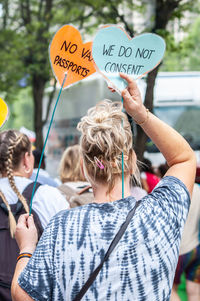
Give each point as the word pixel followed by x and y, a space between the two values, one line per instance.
pixel 37 155
pixel 162 168
pixel 146 166
pixel 13 146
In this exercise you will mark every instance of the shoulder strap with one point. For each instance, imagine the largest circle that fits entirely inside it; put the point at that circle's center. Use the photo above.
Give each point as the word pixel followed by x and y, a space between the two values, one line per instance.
pixel 66 190
pixel 85 189
pixel 113 244
pixel 74 198
pixel 27 193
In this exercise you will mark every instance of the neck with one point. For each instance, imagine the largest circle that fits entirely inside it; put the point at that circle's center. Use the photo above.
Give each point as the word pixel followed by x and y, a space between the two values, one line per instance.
pixel 20 173
pixel 101 195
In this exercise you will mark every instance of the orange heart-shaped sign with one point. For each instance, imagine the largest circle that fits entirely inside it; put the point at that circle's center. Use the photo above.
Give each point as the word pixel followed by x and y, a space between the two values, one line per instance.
pixel 68 55
pixel 4 112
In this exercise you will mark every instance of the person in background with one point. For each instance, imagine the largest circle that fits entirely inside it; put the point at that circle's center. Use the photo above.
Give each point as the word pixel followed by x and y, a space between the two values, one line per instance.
pixel 189 259
pixel 189 254
pixel 70 172
pixel 142 265
pixel 43 176
pixel 16 166
pixel 76 189
pixel 137 191
pixel 148 177
pixel 162 169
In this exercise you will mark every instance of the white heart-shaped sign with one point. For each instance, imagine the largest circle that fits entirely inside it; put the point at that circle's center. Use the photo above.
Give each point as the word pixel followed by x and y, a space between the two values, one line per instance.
pixel 114 51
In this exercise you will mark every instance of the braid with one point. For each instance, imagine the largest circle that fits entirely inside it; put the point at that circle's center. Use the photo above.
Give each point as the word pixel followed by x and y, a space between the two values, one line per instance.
pixel 9 171
pixel 12 222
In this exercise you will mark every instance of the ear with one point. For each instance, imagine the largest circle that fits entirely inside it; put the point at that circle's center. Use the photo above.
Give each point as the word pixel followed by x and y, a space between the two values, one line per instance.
pixel 81 165
pixel 134 162
pixel 26 157
pixel 27 163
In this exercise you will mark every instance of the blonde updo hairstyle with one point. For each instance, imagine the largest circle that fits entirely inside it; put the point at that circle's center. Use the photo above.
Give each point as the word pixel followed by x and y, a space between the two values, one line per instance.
pixel 70 170
pixel 13 146
pixel 106 132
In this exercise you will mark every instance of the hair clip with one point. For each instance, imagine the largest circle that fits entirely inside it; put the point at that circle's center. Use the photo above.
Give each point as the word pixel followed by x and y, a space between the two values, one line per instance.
pixel 98 163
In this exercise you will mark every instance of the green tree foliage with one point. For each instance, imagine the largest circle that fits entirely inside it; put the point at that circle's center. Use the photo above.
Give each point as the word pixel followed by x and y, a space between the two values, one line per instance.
pixel 185 56
pixel 26 29
pixel 11 68
pixel 20 111
pixel 114 12
pixel 191 52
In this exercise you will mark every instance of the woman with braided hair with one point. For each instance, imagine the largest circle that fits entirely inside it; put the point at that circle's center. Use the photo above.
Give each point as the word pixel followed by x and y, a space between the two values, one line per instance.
pixel 141 267
pixel 16 166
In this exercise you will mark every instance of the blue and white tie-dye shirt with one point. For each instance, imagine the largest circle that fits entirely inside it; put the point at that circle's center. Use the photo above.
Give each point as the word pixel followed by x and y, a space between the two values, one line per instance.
pixel 142 265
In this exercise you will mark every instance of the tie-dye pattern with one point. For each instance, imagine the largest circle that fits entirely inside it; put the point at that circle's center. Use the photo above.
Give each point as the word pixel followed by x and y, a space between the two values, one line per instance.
pixel 141 267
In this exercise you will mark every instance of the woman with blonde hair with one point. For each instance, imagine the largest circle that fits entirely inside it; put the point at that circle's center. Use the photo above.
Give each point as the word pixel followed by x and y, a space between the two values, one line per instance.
pixel 139 265
pixel 75 188
pixel 70 170
pixel 16 166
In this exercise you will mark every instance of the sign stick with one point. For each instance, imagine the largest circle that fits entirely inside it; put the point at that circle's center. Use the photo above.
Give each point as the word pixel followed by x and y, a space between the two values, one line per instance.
pixel 46 143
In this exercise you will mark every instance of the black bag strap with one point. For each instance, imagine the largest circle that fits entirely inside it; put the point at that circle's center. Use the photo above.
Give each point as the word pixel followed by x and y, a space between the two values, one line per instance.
pixel 27 193
pixel 113 244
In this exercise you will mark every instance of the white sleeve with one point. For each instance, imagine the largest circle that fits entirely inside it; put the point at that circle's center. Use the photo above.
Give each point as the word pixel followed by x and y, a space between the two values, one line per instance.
pixel 47 202
pixel 143 175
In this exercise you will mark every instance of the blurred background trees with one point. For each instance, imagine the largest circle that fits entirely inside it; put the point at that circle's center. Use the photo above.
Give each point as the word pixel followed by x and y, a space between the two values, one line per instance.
pixel 27 26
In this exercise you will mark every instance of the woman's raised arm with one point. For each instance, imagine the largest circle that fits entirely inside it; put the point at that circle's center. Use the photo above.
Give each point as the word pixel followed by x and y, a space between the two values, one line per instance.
pixel 177 152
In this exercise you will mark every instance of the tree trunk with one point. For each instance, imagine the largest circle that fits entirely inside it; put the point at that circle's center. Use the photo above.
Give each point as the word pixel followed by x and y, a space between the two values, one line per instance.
pixel 141 137
pixel 38 85
pixel 163 12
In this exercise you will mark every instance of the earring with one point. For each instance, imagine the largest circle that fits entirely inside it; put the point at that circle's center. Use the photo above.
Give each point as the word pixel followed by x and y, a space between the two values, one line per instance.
pixel 27 170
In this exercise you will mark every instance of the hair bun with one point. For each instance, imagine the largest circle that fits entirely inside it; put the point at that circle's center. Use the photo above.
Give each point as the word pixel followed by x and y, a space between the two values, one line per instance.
pixel 105 137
